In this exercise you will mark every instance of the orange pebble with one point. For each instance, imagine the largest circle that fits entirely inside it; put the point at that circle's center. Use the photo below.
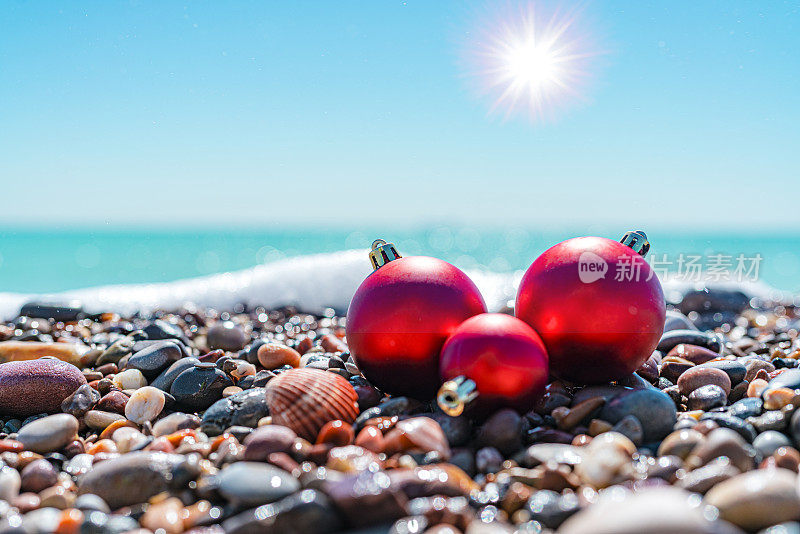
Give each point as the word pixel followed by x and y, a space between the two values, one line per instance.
pixel 160 444
pixel 332 343
pixel 109 430
pixel 103 445
pixel 383 423
pixel 70 521
pixel 274 355
pixel 176 437
pixel 218 441
pixel 305 345
pixel 581 439
pixel 371 438
pixel 11 445
pixel 337 433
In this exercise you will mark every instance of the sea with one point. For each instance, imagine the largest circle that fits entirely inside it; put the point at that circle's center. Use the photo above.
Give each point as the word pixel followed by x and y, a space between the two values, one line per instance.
pixel 129 268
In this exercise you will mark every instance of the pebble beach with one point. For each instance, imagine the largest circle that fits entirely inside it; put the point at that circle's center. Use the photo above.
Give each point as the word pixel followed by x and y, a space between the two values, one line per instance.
pixel 258 420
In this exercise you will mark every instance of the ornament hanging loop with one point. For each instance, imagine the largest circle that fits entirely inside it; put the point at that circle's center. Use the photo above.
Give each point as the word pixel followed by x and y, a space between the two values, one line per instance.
pixel 636 240
pixel 456 394
pixel 382 253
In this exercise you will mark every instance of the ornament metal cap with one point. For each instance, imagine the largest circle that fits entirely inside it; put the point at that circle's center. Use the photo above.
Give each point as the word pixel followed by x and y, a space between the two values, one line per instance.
pixel 637 240
pixel 382 253
pixel 456 394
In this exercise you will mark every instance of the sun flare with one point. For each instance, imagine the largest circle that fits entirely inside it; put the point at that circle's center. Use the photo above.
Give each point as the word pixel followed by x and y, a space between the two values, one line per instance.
pixel 532 58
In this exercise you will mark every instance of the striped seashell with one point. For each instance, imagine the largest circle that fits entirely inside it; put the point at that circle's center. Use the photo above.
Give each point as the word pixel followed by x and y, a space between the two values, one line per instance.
pixel 305 399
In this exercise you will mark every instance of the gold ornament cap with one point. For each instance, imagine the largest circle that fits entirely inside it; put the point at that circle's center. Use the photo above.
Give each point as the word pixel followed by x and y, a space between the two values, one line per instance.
pixel 382 253
pixel 637 240
pixel 456 394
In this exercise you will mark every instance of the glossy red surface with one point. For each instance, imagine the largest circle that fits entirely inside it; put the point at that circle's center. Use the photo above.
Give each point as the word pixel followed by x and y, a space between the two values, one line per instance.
pixel 400 317
pixel 505 358
pixel 595 330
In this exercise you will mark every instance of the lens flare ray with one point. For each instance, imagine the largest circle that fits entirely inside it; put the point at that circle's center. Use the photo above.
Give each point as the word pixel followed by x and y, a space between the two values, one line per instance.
pixel 532 58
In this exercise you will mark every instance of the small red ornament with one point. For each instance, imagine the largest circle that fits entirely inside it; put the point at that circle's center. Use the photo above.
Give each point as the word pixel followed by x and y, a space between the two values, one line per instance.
pixel 597 305
pixel 492 361
pixel 401 315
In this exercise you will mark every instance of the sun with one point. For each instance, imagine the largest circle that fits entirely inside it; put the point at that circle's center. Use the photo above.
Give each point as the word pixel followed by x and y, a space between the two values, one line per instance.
pixel 532 58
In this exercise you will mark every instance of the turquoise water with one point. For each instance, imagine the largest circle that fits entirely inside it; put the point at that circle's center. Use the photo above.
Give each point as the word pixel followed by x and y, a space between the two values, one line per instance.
pixel 48 261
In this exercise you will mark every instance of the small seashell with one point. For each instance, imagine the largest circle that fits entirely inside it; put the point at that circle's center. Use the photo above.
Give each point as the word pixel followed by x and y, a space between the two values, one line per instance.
pixel 305 399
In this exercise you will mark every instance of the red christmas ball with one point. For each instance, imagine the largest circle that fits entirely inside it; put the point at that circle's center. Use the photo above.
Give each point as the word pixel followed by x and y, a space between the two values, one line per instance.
pixel 503 357
pixel 400 317
pixel 597 305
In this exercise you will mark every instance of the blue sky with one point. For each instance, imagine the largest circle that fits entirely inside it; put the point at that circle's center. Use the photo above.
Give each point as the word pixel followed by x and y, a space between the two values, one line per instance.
pixel 352 113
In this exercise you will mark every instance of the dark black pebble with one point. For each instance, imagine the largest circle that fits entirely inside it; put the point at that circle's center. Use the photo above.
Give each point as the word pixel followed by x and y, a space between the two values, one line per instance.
pixel 242 409
pixel 167 377
pixel 743 428
pixel 154 359
pixel 199 387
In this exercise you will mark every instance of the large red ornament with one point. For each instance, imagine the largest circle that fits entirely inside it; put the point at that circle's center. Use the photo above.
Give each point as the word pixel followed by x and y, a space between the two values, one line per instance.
pixel 597 305
pixel 401 315
pixel 497 361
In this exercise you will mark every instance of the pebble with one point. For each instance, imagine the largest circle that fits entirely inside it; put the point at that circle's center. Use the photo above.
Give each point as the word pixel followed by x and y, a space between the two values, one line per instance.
pixel 241 409
pixel 135 477
pixel 38 475
pixel 113 401
pixel 605 457
pixel 129 379
pixel 653 408
pixel 702 376
pixel 274 355
pixel 253 483
pixel 200 386
pixel 787 379
pixel 100 420
pixel 417 435
pixel 10 483
pixel 630 427
pixel 657 510
pixel 770 441
pixel 145 405
pixel 675 320
pixel 167 377
pixel 692 353
pixel 707 398
pixel 90 502
pixel 37 386
pixel 227 336
pixel 49 433
pixel 775 399
pixel 306 512
pixel 674 338
pixel 81 401
pixel 722 442
pixel 154 359
pixel 266 440
pixel 704 478
pixel 174 422
pixel 550 508
pixel 734 369
pixel 743 428
pixel 757 499
pixel 160 329
pixel 503 430
pixel 680 443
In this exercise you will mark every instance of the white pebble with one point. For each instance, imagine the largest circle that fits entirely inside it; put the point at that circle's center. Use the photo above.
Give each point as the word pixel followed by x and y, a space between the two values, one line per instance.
pixel 127 438
pixel 130 379
pixel 145 404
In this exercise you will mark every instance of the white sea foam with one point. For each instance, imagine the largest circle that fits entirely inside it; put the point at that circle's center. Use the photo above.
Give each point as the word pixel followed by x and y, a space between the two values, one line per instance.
pixel 312 283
